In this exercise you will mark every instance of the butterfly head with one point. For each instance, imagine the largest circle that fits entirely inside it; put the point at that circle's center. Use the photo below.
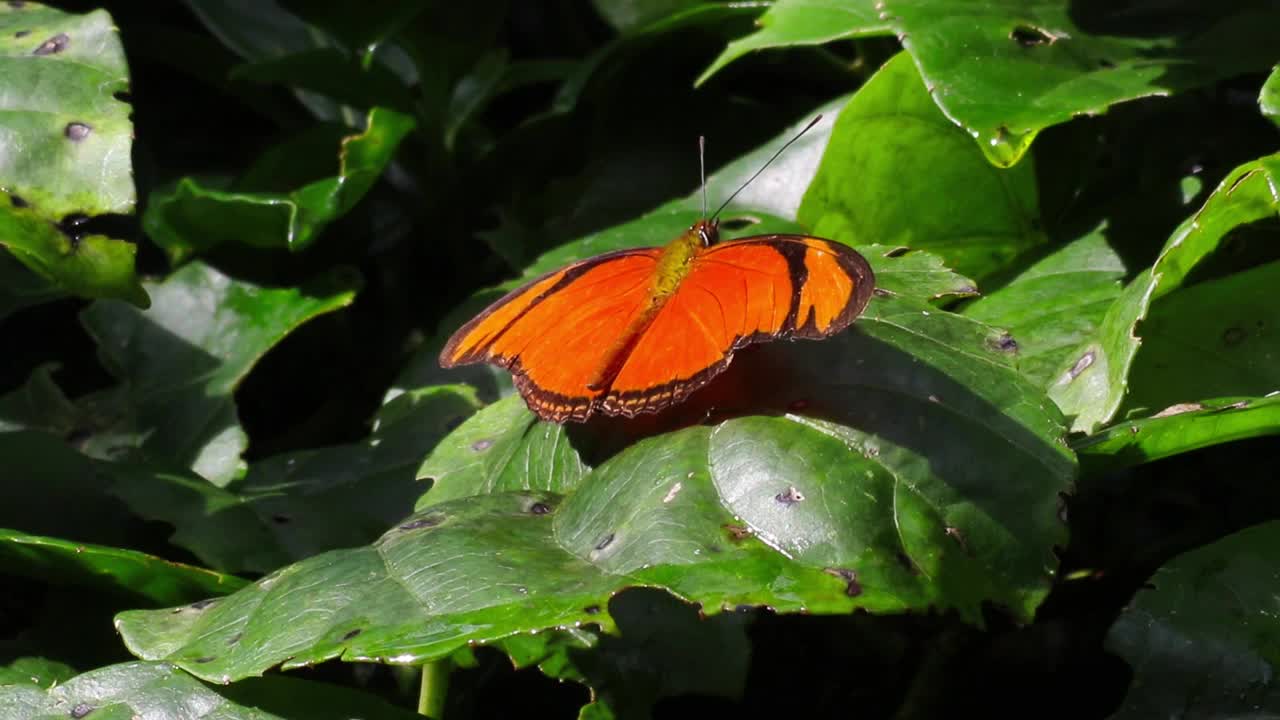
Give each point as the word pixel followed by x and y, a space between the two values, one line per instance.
pixel 708 232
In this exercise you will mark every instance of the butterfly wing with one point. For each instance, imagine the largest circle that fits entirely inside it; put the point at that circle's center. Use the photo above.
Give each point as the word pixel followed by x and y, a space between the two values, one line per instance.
pixel 554 334
pixel 744 291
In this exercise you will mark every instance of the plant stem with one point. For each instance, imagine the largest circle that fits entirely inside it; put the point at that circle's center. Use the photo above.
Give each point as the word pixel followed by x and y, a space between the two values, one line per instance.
pixel 434 689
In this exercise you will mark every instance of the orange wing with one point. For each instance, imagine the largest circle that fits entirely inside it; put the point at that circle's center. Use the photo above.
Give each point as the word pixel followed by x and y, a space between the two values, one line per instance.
pixel 555 332
pixel 744 291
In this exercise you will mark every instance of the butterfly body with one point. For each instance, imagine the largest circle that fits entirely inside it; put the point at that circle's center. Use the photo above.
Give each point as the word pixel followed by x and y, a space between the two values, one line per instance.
pixel 635 331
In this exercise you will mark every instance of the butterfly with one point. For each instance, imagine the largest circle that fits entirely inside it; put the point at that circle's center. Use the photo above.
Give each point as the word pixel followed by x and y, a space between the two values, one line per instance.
pixel 635 331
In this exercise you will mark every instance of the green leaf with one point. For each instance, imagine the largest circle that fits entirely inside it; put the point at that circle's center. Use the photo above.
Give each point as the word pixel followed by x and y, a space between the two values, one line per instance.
pixel 1269 98
pixel 51 489
pixel 194 217
pixel 777 191
pixel 1217 338
pixel 1056 304
pixel 142 689
pixel 898 172
pixel 181 361
pixel 301 503
pixel 20 287
pixel 1006 69
pixel 160 581
pixel 1205 641
pixel 67 136
pixel 67 141
pixel 916 470
pixel 503 447
pixel 1092 382
pixel 41 672
pixel 663 648
pixel 89 265
pixel 1178 429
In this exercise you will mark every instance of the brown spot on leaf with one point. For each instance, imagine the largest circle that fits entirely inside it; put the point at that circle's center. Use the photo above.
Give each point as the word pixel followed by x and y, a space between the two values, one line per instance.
pixel 790 496
pixel 738 533
pixel 1081 365
pixel 852 587
pixel 1005 343
pixel 77 131
pixel 55 44
pixel 1178 409
pixel 425 521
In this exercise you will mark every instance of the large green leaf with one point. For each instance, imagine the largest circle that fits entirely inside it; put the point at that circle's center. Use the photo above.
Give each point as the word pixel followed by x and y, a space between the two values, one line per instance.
pixel 1205 641
pixel 67 136
pixel 160 581
pixel 160 690
pixel 298 504
pixel 915 469
pixel 67 141
pixel 1056 304
pixel 181 361
pixel 1093 380
pixel 194 217
pixel 1006 69
pixel 1178 429
pixel 897 171
pixel 1214 339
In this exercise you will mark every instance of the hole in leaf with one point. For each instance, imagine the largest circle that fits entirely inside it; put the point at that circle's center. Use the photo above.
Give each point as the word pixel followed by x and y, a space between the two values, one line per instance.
pixel 481 445
pixel 234 638
pixel 1106 64
pixel 352 634
pixel 1030 36
pixel 591 609
pixel 605 541
pixel 1233 336
pixel 539 508
pixel 81 709
pixel 22 33
pixel 17 201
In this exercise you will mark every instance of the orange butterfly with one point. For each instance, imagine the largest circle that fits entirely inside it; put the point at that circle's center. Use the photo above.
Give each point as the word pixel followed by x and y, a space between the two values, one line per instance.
pixel 634 331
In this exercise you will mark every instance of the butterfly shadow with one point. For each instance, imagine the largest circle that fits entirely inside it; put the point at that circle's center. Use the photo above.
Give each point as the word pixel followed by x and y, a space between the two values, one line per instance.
pixel 880 400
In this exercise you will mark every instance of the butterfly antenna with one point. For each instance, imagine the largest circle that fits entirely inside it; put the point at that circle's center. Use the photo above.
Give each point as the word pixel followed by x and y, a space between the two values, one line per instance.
pixel 702 169
pixel 757 174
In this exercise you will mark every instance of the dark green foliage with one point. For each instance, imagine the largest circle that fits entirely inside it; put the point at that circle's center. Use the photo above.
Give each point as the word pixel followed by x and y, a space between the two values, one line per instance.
pixel 1035 478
